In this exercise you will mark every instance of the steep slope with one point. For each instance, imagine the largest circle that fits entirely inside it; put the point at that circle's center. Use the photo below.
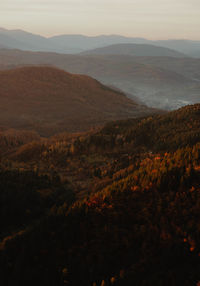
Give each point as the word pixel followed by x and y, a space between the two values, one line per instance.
pixel 49 100
pixel 138 221
pixel 118 144
pixel 137 50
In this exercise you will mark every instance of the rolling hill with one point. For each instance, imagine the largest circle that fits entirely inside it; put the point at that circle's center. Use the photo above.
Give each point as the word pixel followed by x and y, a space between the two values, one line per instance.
pixel 137 50
pixel 49 100
pixel 163 82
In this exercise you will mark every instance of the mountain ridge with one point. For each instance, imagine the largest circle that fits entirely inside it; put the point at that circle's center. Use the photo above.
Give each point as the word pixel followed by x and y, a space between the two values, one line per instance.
pixel 76 43
pixel 136 50
pixel 162 82
pixel 49 100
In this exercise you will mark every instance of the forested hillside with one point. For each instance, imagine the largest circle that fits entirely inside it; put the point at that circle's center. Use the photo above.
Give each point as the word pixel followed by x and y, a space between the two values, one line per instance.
pixel 48 101
pixel 117 206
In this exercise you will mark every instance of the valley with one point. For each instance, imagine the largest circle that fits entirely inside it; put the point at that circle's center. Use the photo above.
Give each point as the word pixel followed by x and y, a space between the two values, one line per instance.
pixel 99 160
pixel 159 82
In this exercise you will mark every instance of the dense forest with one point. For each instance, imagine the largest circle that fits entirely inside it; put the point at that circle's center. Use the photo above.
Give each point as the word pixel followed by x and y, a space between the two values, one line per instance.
pixel 115 206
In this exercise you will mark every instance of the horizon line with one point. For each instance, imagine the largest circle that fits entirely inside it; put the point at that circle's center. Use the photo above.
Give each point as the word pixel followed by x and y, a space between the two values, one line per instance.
pixel 97 35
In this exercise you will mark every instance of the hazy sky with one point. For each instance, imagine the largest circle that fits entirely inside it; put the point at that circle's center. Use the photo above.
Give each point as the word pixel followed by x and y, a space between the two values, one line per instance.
pixel 153 19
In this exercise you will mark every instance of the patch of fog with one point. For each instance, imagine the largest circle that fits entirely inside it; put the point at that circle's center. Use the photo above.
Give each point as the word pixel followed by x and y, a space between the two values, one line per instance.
pixel 163 102
pixel 162 97
pixel 169 104
pixel 196 79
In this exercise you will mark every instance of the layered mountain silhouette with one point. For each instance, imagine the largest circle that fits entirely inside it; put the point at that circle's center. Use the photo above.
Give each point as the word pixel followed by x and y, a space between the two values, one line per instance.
pixel 18 39
pixel 48 100
pixel 164 82
pixel 96 188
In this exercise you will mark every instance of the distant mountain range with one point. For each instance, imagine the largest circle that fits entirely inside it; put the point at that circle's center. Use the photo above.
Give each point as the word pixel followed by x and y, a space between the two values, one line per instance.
pixel 18 39
pixel 161 74
pixel 138 50
pixel 48 101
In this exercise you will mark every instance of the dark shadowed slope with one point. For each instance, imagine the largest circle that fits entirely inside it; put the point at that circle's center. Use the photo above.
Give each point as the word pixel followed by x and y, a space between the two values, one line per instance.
pixel 135 50
pixel 49 100
pixel 137 222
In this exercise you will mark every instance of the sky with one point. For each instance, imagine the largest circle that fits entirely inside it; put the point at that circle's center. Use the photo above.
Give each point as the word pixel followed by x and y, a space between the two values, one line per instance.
pixel 152 19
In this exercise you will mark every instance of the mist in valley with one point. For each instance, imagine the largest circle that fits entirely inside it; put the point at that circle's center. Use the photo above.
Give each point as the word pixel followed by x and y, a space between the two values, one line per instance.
pixel 99 143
